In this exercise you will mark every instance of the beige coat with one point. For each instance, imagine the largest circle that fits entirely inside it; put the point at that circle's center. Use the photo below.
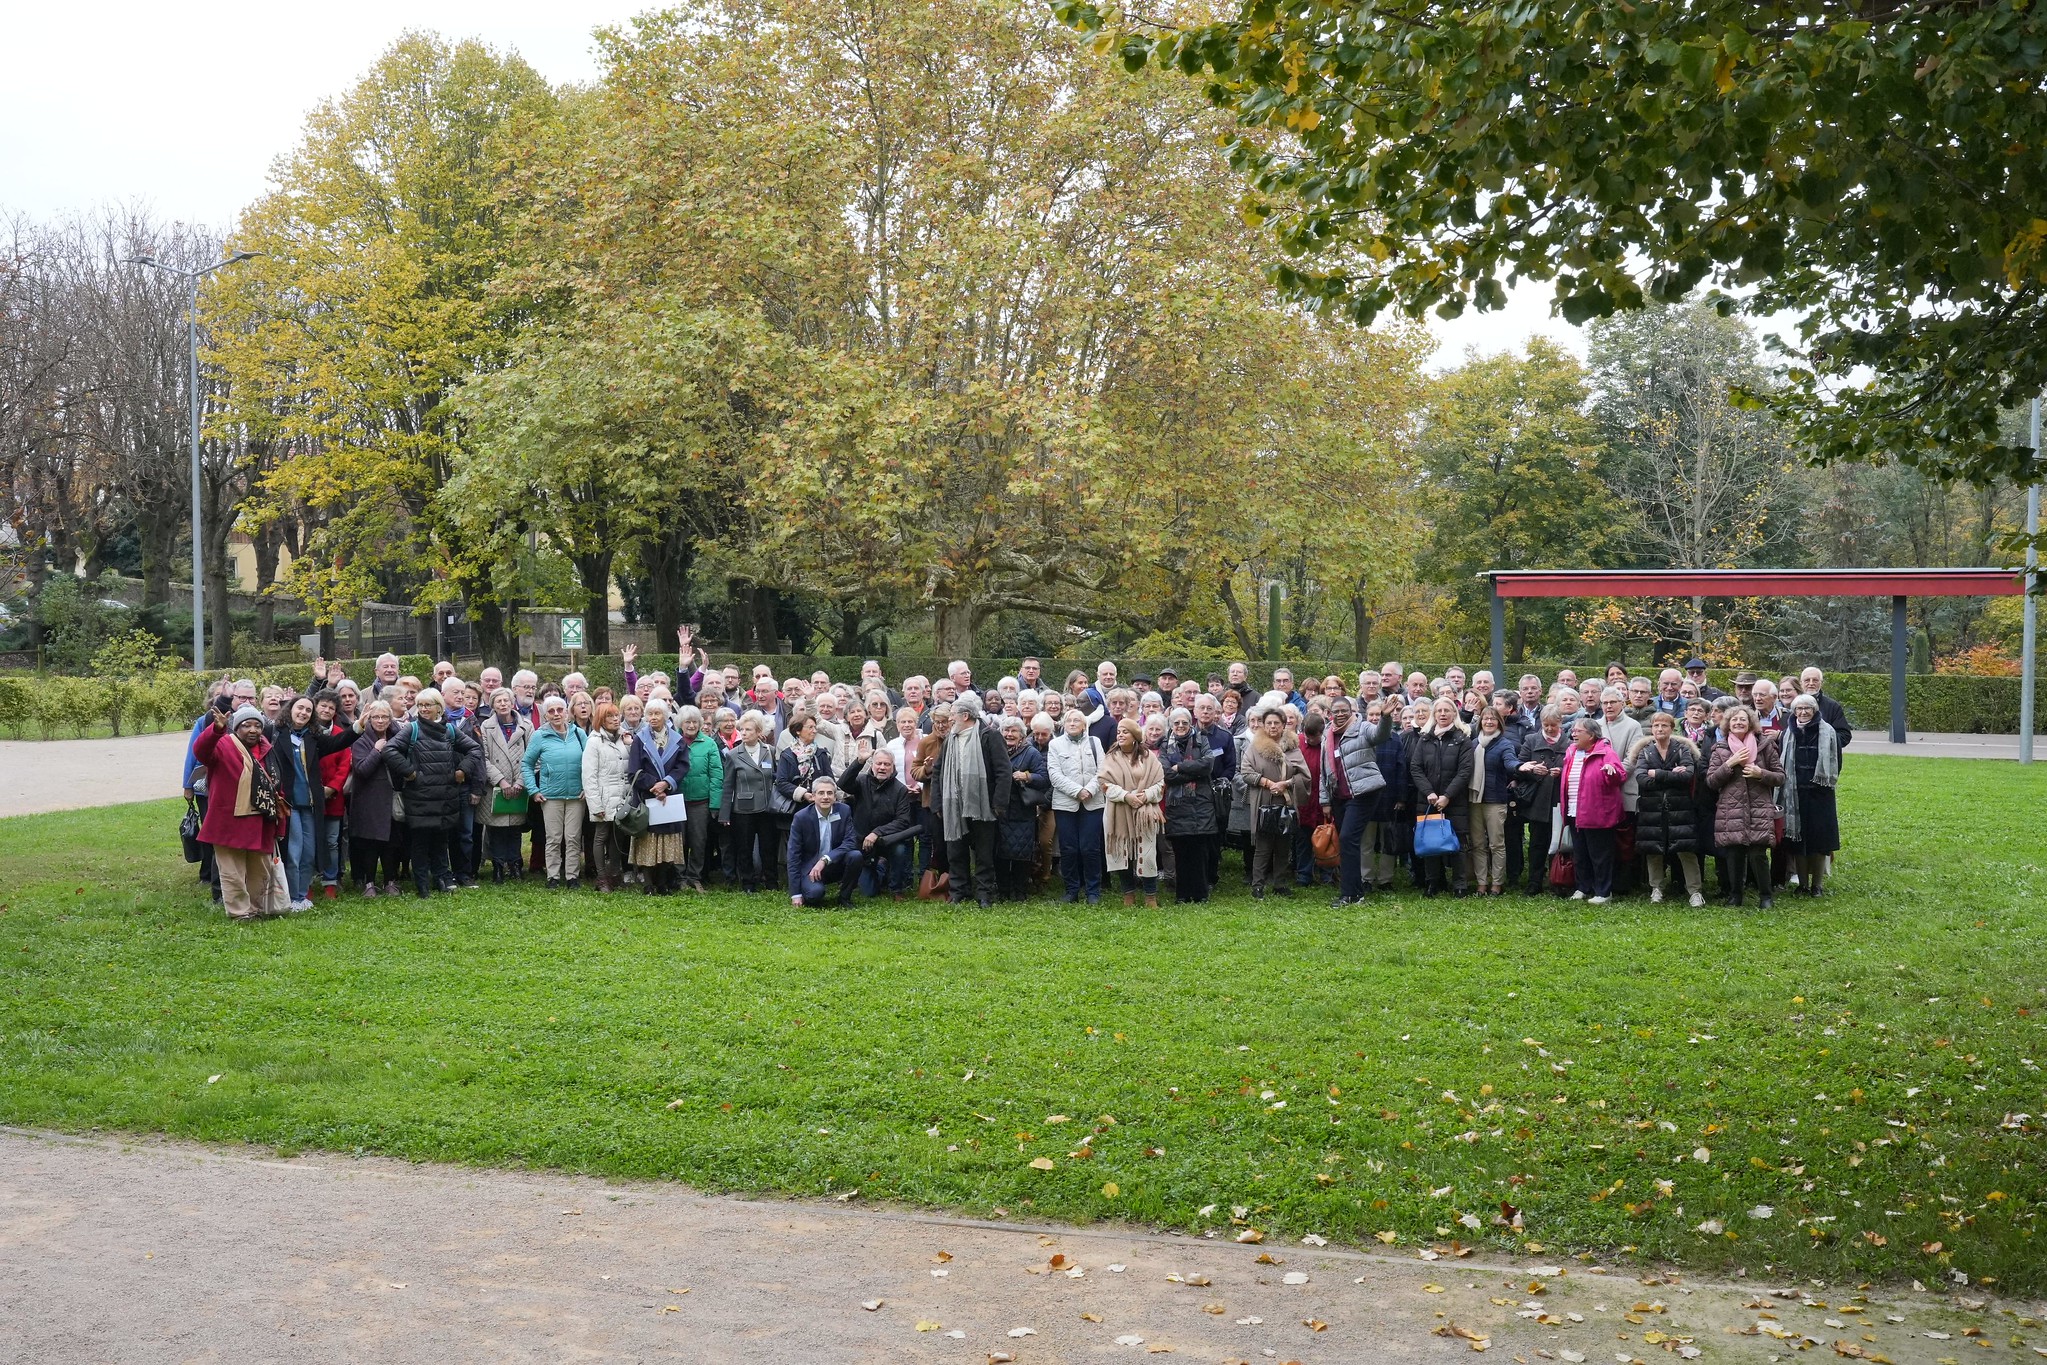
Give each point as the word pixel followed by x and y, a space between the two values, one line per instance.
pixel 502 759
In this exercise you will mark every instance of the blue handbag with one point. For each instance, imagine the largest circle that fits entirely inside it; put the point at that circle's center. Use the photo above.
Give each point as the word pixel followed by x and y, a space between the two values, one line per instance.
pixel 1434 836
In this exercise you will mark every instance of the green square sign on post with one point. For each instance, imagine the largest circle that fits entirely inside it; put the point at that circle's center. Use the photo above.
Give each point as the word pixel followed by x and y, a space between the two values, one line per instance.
pixel 571 632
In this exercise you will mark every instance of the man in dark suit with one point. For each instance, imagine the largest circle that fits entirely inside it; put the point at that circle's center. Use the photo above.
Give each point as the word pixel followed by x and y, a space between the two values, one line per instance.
pixel 823 848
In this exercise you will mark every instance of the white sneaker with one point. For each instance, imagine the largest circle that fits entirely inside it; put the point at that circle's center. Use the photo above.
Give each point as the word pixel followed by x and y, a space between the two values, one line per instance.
pixel 1656 896
pixel 1698 899
pixel 1577 895
pixel 1598 900
pixel 1793 881
pixel 300 907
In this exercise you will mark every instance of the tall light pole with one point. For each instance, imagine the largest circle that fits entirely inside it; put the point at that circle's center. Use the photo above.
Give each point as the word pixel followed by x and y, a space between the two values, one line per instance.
pixel 2029 660
pixel 192 278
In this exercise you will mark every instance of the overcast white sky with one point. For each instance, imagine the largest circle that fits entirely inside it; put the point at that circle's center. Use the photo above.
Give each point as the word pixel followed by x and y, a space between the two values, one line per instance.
pixel 117 101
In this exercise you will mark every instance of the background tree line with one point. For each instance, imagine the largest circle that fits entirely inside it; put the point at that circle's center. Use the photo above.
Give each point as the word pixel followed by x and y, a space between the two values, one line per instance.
pixel 917 324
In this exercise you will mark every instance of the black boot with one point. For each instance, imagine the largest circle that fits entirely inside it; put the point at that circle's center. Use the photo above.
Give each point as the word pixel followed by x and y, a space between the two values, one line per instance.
pixel 648 876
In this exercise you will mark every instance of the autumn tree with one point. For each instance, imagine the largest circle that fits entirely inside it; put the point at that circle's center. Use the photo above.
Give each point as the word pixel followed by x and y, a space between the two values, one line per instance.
pixel 346 340
pixel 1707 483
pixel 1874 169
pixel 1513 480
pixel 1024 360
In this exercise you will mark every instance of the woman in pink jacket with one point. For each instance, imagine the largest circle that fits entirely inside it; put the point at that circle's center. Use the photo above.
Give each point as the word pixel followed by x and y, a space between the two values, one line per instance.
pixel 1590 794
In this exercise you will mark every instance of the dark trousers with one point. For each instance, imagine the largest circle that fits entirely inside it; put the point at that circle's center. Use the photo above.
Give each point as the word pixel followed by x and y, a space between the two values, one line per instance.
pixel 607 853
pixel 1304 856
pixel 365 856
pixel 934 841
pixel 975 850
pixel 842 869
pixel 753 842
pixel 1132 883
pixel 1269 855
pixel 696 840
pixel 1080 852
pixel 502 842
pixel 1592 858
pixel 1538 855
pixel 462 851
pixel 890 867
pixel 1221 796
pixel 1351 816
pixel 1517 835
pixel 430 857
pixel 1190 867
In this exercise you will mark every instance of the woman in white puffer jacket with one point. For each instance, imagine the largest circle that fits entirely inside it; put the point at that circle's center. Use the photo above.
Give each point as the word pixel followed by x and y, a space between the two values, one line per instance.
pixel 607 794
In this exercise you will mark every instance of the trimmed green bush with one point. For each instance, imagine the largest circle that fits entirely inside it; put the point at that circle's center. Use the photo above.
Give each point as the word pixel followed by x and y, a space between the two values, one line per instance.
pixel 17 705
pixel 1942 703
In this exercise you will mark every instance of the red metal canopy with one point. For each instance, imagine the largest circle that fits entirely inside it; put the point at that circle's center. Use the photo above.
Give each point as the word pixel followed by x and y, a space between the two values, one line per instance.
pixel 1758 582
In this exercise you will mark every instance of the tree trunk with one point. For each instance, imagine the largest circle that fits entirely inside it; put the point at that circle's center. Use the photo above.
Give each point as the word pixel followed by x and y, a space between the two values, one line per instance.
pixel 739 616
pixel 1360 628
pixel 265 543
pixel 595 571
pixel 424 636
pixel 851 636
pixel 1227 595
pixel 952 629
pixel 495 633
pixel 156 534
pixel 670 556
pixel 219 621
pixel 1518 646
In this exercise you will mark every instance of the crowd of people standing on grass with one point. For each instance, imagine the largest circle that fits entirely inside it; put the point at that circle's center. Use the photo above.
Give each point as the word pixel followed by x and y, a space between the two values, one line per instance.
pixel 816 787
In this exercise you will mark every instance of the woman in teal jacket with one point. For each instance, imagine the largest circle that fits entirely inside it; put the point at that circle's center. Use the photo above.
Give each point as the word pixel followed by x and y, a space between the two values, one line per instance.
pixel 554 774
pixel 702 789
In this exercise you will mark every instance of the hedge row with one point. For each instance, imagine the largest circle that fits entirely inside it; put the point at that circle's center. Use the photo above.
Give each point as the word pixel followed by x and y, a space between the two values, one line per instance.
pixel 50 705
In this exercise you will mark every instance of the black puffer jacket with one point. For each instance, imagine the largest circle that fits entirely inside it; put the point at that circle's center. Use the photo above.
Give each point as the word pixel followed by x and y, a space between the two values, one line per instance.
pixel 1190 800
pixel 425 757
pixel 1668 815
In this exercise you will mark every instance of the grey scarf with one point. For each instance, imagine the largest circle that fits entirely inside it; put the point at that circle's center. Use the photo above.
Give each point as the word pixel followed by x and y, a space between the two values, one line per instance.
pixel 963 782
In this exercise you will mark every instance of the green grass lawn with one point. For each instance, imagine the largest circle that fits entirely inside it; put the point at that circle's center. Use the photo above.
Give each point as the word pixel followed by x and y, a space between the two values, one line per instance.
pixel 1858 1064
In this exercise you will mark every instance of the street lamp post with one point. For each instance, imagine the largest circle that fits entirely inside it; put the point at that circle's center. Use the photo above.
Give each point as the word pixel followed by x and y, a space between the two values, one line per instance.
pixel 192 279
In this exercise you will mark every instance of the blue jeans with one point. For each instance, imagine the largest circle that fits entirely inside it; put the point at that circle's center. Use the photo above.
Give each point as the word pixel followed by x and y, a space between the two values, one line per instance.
pixel 330 851
pixel 298 853
pixel 889 866
pixel 1080 852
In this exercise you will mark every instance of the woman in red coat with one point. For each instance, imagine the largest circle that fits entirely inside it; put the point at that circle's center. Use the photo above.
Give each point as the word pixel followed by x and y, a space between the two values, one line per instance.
pixel 243 835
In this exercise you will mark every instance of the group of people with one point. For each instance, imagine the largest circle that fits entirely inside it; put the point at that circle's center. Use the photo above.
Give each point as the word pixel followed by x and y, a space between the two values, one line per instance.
pixel 816 787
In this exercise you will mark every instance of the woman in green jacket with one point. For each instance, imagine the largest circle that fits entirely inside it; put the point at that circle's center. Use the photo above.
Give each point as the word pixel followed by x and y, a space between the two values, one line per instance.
pixel 702 789
pixel 554 774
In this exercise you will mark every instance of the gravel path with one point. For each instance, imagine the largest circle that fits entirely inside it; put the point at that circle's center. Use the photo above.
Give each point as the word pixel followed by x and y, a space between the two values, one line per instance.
pixel 72 774
pixel 153 1250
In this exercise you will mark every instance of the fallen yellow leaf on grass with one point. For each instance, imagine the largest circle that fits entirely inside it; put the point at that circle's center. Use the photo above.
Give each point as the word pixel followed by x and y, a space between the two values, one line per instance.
pixel 1043 1163
pixel 1111 1189
pixel 1389 1238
